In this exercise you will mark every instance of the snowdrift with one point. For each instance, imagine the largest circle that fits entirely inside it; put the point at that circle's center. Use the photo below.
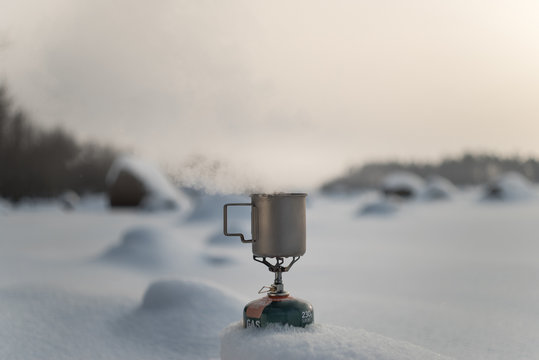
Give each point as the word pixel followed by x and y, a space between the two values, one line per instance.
pixel 510 186
pixel 38 322
pixel 181 317
pixel 402 184
pixel 176 320
pixel 155 250
pixel 5 206
pixel 143 247
pixel 315 342
pixel 132 182
pixel 378 207
pixel 438 188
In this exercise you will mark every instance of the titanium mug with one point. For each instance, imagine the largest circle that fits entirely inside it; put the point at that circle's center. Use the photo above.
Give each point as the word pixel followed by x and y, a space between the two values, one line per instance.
pixel 278 225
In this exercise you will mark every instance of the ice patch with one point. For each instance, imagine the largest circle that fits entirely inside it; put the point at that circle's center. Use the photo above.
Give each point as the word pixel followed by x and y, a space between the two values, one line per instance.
pixel 315 342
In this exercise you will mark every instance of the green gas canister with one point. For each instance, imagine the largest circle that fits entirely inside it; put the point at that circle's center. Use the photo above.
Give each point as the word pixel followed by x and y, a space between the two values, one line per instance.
pixel 273 309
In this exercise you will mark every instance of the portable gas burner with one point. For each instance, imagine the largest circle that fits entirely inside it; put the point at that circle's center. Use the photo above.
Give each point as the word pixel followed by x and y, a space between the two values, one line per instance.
pixel 278 229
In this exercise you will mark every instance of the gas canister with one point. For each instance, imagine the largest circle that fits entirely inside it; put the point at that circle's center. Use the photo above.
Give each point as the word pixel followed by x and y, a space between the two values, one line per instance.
pixel 278 310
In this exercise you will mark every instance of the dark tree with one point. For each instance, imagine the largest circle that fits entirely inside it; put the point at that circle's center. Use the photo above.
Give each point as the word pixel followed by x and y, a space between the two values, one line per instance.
pixel 39 163
pixel 469 169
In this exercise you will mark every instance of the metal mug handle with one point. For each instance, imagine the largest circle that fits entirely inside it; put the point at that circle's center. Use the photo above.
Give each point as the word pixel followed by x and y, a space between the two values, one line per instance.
pixel 225 227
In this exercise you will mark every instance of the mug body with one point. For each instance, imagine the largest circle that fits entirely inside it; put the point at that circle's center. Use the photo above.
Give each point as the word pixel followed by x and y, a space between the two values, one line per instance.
pixel 278 224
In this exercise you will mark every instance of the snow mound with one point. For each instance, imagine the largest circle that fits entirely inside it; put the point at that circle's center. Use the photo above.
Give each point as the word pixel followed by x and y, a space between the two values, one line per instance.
pixel 509 186
pixel 184 317
pixel 69 200
pixel 381 207
pixel 157 193
pixel 402 184
pixel 315 342
pixel 143 247
pixel 438 188
pixel 38 322
pixel 195 296
pixel 5 206
pixel 219 259
pixel 375 204
pixel 221 248
pixel 177 320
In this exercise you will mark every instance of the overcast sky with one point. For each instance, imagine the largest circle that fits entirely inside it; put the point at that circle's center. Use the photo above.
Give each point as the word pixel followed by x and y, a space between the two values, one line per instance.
pixel 291 92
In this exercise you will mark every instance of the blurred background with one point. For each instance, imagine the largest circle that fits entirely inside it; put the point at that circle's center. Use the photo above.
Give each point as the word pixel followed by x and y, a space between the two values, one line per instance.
pixel 267 95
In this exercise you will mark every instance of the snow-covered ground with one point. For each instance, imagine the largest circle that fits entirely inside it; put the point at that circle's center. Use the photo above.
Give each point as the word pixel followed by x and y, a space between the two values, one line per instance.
pixel 457 278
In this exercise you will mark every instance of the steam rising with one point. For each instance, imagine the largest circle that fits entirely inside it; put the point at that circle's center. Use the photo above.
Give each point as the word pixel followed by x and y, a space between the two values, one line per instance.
pixel 219 177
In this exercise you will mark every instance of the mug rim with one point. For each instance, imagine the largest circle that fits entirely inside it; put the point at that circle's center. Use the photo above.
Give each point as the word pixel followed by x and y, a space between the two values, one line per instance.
pixel 281 194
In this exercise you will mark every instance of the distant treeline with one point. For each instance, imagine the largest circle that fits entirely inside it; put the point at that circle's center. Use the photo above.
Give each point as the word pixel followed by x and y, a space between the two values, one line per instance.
pixel 469 169
pixel 45 163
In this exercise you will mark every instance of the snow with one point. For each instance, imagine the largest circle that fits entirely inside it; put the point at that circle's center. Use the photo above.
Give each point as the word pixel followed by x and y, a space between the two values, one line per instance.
pixel 191 295
pixel 403 180
pixel 510 186
pixel 142 247
pixel 314 342
pixel 438 188
pixel 39 322
pixel 380 205
pixel 184 317
pixel 218 239
pixel 210 206
pixel 456 277
pixel 377 205
pixel 5 206
pixel 161 192
pixel 69 200
pixel 176 320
